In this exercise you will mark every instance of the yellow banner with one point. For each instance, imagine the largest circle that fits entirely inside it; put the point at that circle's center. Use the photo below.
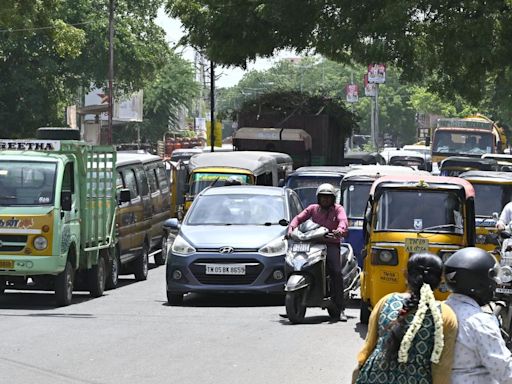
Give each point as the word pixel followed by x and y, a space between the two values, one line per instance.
pixel 218 134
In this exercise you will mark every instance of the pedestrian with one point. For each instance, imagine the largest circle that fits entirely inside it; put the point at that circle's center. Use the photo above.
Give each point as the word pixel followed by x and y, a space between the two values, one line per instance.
pixel 481 356
pixel 411 336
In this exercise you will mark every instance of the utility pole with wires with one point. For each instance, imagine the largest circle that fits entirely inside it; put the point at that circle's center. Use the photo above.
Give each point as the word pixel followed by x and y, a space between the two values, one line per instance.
pixel 110 70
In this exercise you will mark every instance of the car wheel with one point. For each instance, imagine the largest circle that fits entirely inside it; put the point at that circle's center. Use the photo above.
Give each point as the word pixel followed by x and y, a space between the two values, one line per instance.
pixel 295 308
pixel 64 286
pixel 364 313
pixel 142 264
pixel 174 299
pixel 96 277
pixel 161 257
pixel 113 276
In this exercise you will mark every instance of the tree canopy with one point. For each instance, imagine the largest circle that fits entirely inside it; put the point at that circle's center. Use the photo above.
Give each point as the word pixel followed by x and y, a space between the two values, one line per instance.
pixel 459 47
pixel 51 48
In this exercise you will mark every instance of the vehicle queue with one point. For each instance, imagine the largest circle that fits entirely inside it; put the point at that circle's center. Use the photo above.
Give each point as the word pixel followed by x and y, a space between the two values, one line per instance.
pixel 219 222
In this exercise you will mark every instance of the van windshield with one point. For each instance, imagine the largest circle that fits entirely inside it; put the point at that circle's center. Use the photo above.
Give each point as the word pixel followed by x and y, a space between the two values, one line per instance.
pixel 201 180
pixel 463 143
pixel 355 197
pixel 411 210
pixel 27 183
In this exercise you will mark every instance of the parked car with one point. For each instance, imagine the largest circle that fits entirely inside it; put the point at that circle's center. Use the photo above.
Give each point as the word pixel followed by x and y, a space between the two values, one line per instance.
pixel 231 240
pixel 140 220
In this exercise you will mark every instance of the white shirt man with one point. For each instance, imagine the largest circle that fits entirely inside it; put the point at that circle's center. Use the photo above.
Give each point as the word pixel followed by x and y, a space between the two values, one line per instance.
pixel 480 356
pixel 505 217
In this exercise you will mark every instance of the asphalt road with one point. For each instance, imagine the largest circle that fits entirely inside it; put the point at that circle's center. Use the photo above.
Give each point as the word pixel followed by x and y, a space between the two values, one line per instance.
pixel 131 335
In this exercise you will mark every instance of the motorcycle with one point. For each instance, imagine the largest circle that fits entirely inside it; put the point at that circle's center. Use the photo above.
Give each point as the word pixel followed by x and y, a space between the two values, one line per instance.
pixel 307 283
pixel 502 303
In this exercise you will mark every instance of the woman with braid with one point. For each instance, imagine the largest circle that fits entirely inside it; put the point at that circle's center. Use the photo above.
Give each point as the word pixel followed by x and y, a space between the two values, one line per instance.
pixel 411 336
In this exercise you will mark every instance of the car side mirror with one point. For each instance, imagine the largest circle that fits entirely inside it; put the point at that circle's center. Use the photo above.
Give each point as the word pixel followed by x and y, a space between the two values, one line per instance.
pixel 280 183
pixel 124 196
pixel 66 200
pixel 505 235
pixel 495 215
pixel 172 224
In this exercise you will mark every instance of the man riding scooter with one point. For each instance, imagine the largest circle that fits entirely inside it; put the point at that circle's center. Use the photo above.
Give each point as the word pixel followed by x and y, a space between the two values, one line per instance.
pixel 331 216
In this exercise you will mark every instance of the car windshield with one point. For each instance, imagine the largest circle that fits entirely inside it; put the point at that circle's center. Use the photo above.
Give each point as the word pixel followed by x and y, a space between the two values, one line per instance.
pixel 306 186
pixel 355 197
pixel 27 183
pixel 490 198
pixel 463 143
pixel 411 210
pixel 237 209
pixel 201 180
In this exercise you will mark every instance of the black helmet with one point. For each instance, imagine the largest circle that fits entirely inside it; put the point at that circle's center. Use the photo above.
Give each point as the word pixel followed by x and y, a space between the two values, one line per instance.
pixel 472 272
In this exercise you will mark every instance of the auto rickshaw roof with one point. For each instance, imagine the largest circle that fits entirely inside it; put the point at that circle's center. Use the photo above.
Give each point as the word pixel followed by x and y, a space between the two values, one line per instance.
pixel 462 161
pixel 372 172
pixel 321 170
pixel 487 176
pixel 360 157
pixel 417 179
pixel 249 160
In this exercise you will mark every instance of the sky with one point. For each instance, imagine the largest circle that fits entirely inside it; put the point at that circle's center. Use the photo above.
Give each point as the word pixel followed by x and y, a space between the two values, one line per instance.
pixel 228 76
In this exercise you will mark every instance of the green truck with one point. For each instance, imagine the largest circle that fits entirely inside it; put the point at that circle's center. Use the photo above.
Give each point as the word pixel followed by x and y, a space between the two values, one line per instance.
pixel 57 215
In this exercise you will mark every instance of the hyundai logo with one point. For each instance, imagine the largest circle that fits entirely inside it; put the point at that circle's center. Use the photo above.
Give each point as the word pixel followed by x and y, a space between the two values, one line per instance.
pixel 226 250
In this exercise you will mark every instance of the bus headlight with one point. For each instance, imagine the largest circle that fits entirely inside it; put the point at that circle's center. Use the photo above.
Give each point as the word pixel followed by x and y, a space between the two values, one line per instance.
pixel 40 243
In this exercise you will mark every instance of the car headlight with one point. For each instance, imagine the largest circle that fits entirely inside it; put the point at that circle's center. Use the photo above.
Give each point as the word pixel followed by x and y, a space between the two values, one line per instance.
pixel 384 256
pixel 40 243
pixel 276 247
pixel 181 247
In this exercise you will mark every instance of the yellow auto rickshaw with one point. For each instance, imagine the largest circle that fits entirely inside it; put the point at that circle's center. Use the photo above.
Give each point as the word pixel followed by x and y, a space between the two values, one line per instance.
pixel 408 214
pixel 493 190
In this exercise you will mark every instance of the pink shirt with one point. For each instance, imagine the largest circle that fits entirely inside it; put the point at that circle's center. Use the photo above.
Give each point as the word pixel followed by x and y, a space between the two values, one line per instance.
pixel 332 218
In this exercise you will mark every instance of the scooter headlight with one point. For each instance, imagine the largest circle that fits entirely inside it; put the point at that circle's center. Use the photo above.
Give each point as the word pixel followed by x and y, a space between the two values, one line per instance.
pixel 505 274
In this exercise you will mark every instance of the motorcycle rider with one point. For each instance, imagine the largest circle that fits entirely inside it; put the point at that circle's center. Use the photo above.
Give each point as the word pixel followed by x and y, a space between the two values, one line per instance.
pixel 333 217
pixel 505 217
pixel 480 355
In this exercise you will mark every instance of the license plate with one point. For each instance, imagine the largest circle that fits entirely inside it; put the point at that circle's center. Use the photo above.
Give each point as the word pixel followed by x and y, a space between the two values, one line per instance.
pixel 225 269
pixel 300 247
pixel 416 245
pixel 6 264
pixel 507 291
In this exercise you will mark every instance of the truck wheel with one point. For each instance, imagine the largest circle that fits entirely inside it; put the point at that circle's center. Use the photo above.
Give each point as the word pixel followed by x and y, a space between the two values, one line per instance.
pixel 161 257
pixel 295 309
pixel 64 286
pixel 364 312
pixel 96 277
pixel 113 276
pixel 174 298
pixel 141 265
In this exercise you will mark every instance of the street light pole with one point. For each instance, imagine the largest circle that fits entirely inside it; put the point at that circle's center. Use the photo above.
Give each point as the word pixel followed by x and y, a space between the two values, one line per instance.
pixel 212 104
pixel 110 70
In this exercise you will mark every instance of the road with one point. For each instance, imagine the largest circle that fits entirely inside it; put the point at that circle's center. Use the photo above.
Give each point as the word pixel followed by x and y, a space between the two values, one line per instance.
pixel 131 335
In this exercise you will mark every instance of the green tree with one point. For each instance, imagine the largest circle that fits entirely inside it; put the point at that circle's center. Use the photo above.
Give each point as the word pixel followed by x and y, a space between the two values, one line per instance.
pixel 458 48
pixel 50 48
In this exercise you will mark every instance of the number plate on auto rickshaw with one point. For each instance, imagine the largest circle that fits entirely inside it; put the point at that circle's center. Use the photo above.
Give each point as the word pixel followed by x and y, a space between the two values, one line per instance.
pixel 300 247
pixel 416 245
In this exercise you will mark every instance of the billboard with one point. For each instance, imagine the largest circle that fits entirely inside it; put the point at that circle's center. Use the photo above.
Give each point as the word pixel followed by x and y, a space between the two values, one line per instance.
pixel 352 93
pixel 377 73
pixel 369 88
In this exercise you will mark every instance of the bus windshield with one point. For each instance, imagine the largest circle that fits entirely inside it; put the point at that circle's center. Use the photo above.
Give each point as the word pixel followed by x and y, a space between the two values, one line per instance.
pixel 27 183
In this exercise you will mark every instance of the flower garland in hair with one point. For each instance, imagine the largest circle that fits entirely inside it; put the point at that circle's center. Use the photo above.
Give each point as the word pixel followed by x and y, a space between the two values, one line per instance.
pixel 427 300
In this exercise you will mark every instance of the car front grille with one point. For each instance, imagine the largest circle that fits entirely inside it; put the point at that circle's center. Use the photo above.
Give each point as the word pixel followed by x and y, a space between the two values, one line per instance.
pixel 253 268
